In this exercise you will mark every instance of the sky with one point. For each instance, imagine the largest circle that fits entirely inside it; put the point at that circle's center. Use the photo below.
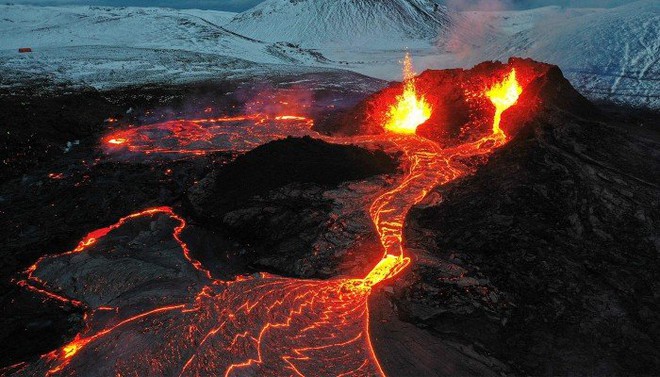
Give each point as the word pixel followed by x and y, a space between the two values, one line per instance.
pixel 241 5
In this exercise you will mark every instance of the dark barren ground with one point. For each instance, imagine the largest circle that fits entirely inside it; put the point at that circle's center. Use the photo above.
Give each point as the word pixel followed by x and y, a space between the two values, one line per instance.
pixel 549 254
pixel 544 262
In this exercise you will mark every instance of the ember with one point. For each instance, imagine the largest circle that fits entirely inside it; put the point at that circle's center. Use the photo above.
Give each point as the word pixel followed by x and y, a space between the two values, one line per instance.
pixel 117 141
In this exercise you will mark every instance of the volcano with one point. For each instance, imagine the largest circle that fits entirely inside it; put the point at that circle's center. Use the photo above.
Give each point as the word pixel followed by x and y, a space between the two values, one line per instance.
pixel 520 219
pixel 317 23
pixel 461 110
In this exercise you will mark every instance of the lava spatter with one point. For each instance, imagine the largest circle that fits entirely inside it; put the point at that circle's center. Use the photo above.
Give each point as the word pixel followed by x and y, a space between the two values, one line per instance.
pixel 410 109
pixel 503 95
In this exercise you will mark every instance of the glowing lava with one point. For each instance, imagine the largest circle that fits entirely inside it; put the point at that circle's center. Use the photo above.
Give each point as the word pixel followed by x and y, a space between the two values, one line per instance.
pixel 503 95
pixel 117 141
pixel 260 324
pixel 205 135
pixel 410 109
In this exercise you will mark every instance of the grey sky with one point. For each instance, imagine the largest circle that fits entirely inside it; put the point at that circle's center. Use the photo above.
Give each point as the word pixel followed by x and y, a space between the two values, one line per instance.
pixel 240 5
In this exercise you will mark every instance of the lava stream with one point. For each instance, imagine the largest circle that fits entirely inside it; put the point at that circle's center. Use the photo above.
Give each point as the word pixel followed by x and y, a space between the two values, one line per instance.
pixel 255 325
pixel 206 135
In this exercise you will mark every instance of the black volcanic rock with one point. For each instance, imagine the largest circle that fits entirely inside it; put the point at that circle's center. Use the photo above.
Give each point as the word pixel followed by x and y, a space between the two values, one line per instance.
pixel 547 257
pixel 273 198
pixel 281 162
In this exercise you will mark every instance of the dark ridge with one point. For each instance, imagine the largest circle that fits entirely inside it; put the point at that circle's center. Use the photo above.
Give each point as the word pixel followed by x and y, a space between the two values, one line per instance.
pixel 272 199
pixel 291 160
pixel 556 237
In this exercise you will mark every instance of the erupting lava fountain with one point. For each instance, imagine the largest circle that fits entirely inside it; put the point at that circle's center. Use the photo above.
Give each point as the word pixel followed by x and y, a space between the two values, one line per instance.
pixel 410 110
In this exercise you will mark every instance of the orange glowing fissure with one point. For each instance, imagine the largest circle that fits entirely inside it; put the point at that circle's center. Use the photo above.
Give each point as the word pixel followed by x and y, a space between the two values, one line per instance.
pixel 266 325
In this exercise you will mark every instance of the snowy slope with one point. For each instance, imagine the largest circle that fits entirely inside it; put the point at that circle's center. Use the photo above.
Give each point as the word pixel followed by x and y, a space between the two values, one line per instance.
pixel 105 47
pixel 322 23
pixel 41 27
pixel 610 54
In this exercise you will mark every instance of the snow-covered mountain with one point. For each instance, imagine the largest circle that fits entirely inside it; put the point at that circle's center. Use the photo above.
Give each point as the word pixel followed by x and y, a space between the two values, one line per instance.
pixel 46 27
pixel 103 46
pixel 322 23
pixel 611 54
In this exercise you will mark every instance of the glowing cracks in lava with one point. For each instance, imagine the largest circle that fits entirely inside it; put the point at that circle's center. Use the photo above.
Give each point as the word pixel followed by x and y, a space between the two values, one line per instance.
pixel 266 325
pixel 254 325
pixel 200 136
pixel 503 95
pixel 388 267
pixel 33 283
pixel 64 357
pixel 117 141
pixel 410 109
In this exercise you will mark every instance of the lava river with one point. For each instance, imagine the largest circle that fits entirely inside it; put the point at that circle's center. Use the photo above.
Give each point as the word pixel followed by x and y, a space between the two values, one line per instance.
pixel 257 325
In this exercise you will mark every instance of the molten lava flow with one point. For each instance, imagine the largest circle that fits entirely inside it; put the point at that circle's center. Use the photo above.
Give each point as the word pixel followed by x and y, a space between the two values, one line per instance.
pixel 201 136
pixel 254 325
pixel 503 95
pixel 410 109
pixel 117 141
pixel 388 267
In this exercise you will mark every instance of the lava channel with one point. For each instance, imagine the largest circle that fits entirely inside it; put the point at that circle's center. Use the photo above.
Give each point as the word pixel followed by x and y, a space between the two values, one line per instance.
pixel 260 324
pixel 201 136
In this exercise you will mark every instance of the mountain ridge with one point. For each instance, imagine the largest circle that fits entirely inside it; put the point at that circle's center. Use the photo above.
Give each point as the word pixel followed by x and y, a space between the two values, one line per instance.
pixel 318 23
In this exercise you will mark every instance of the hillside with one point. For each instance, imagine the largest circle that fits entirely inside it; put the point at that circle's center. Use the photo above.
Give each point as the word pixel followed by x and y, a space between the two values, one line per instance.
pixel 607 54
pixel 109 47
pixel 319 23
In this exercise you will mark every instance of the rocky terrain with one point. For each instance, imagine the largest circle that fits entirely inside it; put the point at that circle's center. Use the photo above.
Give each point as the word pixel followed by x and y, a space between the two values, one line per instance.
pixel 285 199
pixel 542 262
pixel 58 185
pixel 546 257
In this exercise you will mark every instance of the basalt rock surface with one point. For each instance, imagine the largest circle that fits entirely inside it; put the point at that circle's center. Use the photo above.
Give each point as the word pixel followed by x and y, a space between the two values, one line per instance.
pixel 287 199
pixel 547 257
